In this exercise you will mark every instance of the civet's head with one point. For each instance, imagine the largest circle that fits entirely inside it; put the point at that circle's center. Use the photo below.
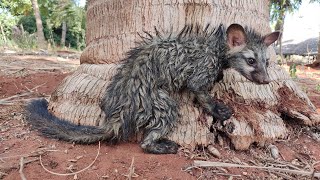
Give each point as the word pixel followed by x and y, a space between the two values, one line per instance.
pixel 248 52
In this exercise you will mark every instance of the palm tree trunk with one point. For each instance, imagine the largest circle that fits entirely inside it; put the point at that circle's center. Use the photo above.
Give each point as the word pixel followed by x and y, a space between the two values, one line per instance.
pixel 63 35
pixel 112 29
pixel 119 27
pixel 40 34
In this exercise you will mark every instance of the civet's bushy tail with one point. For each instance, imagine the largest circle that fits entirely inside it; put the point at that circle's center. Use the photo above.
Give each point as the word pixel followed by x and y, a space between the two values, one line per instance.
pixel 41 119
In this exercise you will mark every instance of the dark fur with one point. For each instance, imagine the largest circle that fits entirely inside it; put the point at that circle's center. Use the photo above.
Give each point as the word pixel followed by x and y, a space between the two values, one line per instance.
pixel 50 126
pixel 139 96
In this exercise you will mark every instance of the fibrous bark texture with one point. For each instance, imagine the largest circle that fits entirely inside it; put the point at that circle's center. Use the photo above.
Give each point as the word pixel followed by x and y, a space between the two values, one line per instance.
pixel 112 30
pixel 112 25
pixel 257 108
pixel 63 34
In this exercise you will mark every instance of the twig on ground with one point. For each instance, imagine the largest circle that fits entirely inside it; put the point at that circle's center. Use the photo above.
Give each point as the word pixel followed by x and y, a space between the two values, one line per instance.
pixel 284 165
pixel 23 177
pixel 204 152
pixel 30 161
pixel 282 156
pixel 226 174
pixel 272 162
pixel 131 171
pixel 70 174
pixel 6 101
pixel 31 90
pixel 18 70
pixel 284 176
pixel 7 169
pixel 221 164
pixel 315 164
pixel 201 172
pixel 9 100
pixel 32 154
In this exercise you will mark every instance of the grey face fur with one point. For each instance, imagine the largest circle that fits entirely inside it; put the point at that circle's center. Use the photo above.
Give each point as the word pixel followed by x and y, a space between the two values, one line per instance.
pixel 248 53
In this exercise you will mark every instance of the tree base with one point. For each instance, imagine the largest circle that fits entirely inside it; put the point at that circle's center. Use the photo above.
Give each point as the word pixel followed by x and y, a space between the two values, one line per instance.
pixel 258 109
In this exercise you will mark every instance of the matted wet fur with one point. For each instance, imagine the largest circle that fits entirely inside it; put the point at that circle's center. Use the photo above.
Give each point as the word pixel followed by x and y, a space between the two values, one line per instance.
pixel 139 95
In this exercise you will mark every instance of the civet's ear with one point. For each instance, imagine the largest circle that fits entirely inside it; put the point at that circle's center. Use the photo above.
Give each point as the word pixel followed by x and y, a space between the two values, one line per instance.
pixel 236 35
pixel 271 38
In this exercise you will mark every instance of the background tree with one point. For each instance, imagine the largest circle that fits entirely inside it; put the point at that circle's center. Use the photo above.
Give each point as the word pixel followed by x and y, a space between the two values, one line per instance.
pixel 112 29
pixel 317 62
pixel 25 8
pixel 17 7
pixel 67 14
pixel 318 57
pixel 52 12
pixel 278 11
pixel 6 23
pixel 40 36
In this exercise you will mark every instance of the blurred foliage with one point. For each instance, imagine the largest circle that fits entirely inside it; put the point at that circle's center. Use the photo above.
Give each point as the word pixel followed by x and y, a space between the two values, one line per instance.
pixel 279 8
pixel 293 70
pixel 318 87
pixel 74 16
pixel 17 7
pixel 14 13
pixel 28 23
pixel 25 40
pixel 6 22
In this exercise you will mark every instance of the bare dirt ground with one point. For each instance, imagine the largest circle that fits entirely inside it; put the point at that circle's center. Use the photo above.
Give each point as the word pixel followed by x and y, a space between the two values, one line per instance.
pixel 26 77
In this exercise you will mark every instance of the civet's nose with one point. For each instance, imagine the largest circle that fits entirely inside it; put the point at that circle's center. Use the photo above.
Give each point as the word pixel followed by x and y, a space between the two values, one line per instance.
pixel 267 80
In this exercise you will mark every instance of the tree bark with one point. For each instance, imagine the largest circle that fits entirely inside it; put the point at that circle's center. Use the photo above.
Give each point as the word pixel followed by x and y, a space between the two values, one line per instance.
pixel 279 27
pixel 3 34
pixel 318 57
pixel 113 26
pixel 112 29
pixel 316 63
pixel 40 35
pixel 63 35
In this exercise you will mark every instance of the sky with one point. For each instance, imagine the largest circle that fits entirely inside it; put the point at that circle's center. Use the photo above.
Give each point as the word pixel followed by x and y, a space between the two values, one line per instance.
pixel 304 23
pixel 82 3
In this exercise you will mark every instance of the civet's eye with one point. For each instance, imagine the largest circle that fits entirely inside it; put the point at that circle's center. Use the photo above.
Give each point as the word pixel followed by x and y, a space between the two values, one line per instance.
pixel 251 61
